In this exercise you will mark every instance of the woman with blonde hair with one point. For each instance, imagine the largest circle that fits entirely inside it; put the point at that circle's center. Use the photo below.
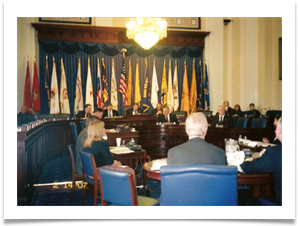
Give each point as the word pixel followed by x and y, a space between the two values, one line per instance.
pixel 97 146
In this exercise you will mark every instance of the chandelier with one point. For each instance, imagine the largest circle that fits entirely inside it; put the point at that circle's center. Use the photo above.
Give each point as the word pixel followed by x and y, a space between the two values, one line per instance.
pixel 146 31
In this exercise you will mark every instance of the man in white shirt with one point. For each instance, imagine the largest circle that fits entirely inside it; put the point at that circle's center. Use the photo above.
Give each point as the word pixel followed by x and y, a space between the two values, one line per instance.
pixel 221 119
pixel 109 112
pixel 166 117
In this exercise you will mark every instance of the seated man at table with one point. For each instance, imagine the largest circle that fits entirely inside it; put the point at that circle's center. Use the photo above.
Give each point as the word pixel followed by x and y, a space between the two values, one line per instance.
pixel 196 149
pixel 228 109
pixel 109 112
pixel 166 117
pixel 221 118
pixel 253 112
pixel 134 111
pixel 24 117
pixel 270 162
pixel 157 110
pixel 86 113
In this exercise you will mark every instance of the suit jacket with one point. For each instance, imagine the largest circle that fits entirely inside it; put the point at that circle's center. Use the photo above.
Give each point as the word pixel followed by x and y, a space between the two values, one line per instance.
pixel 154 112
pixel 24 118
pixel 230 111
pixel 130 111
pixel 172 117
pixel 270 162
pixel 81 114
pixel 196 150
pixel 105 113
pixel 227 120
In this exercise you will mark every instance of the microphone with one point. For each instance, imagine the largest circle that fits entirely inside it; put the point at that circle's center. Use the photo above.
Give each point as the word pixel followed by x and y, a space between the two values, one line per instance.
pixel 167 141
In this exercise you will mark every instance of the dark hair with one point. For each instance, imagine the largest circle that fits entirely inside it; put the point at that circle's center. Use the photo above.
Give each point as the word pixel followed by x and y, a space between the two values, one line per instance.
pixel 239 107
pixel 136 104
pixel 110 105
pixel 98 110
pixel 86 105
pixel 252 104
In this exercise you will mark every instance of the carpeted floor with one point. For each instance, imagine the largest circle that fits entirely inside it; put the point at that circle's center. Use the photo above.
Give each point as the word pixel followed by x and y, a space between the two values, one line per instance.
pixel 58 169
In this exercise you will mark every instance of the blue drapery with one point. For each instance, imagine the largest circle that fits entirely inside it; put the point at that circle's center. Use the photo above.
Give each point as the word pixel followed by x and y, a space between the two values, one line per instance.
pixel 71 51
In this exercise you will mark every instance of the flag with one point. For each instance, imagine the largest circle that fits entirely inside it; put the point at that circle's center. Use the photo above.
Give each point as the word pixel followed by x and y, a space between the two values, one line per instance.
pixel 105 94
pixel 137 95
pixel 206 89
pixel 47 82
pixel 123 82
pixel 64 97
pixel 146 90
pixel 35 91
pixel 54 105
pixel 129 90
pixel 170 102
pixel 164 87
pixel 201 102
pixel 114 98
pixel 27 88
pixel 155 88
pixel 89 90
pixel 193 90
pixel 185 94
pixel 175 88
pixel 99 86
pixel 78 106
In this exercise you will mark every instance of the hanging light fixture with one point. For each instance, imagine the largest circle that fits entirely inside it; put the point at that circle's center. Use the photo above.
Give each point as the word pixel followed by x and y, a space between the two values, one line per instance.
pixel 146 31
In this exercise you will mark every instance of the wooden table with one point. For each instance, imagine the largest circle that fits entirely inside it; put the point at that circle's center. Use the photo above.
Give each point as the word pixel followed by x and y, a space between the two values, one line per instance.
pixel 260 184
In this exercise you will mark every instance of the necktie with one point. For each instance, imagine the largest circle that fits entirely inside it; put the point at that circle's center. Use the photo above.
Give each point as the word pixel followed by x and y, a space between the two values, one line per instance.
pixel 221 119
pixel 166 118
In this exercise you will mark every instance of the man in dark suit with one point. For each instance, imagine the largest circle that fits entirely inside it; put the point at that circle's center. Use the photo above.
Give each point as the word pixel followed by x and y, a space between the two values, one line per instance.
pixel 166 117
pixel 228 109
pixel 222 119
pixel 86 113
pixel 23 117
pixel 134 111
pixel 157 110
pixel 253 111
pixel 109 112
pixel 270 162
pixel 196 149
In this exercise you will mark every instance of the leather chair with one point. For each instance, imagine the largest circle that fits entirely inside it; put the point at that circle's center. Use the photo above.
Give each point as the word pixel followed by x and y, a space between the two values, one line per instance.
pixel 125 109
pixel 74 129
pixel 75 176
pixel 241 123
pixel 91 176
pixel 118 188
pixel 199 185
pixel 206 112
pixel 274 113
pixel 259 123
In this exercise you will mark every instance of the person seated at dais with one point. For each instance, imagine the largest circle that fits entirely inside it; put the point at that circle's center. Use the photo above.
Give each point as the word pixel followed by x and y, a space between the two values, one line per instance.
pixel 157 110
pixel 237 110
pixel 253 111
pixel 134 111
pixel 228 109
pixel 23 117
pixel 109 112
pixel 86 113
pixel 221 118
pixel 166 117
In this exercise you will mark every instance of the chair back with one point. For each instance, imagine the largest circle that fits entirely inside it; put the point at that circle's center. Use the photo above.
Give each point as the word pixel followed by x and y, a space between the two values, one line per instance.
pixel 88 164
pixel 70 147
pixel 45 116
pixel 117 187
pixel 259 123
pixel 247 113
pixel 206 112
pixel 74 131
pixel 274 113
pixel 82 124
pixel 198 185
pixel 126 109
pixel 241 123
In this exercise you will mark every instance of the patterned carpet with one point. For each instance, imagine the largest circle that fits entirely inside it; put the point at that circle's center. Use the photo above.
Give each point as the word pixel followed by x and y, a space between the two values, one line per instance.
pixel 57 168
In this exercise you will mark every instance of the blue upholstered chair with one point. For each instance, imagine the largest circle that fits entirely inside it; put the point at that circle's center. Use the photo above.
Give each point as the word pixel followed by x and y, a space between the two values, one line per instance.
pixel 74 131
pixel 119 188
pixel 199 185
pixel 264 201
pixel 91 176
pixel 241 123
pixel 82 124
pixel 75 176
pixel 259 123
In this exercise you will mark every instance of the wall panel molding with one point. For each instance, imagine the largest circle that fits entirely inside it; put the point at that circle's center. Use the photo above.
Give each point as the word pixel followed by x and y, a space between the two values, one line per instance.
pixel 75 33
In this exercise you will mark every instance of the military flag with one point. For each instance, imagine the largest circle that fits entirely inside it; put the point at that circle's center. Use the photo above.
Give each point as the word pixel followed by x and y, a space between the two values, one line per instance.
pixel 27 88
pixel 175 88
pixel 170 101
pixel 193 90
pixel 99 86
pixel 206 89
pixel 155 88
pixel 64 97
pixel 54 105
pixel 114 96
pixel 78 105
pixel 164 87
pixel 137 95
pixel 105 94
pixel 185 94
pixel 35 91
pixel 89 89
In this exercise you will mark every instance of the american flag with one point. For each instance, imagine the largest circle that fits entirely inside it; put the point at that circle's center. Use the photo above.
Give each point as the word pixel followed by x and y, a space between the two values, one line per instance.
pixel 123 82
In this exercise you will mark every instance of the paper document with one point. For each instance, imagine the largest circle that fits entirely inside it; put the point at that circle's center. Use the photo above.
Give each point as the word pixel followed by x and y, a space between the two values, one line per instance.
pixel 120 150
pixel 158 163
